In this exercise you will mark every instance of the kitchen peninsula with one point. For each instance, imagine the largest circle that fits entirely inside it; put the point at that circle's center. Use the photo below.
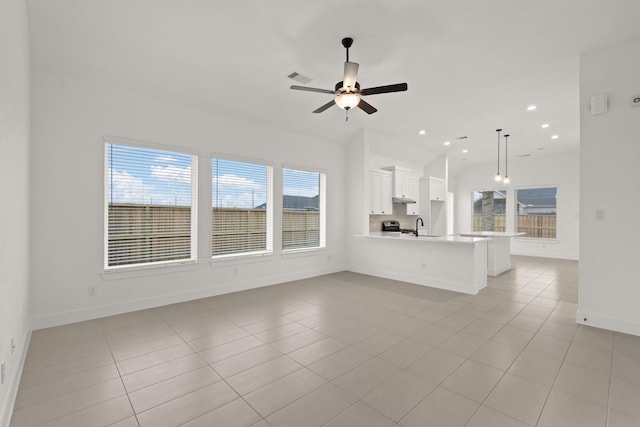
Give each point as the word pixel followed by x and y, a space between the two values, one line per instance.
pixel 455 263
pixel 498 250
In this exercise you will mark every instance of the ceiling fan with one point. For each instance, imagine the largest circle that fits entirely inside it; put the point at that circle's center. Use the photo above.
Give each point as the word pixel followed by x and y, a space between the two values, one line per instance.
pixel 347 92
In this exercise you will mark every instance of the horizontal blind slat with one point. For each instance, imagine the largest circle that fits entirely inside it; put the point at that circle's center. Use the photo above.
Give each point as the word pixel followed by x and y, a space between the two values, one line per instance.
pixel 301 209
pixel 149 205
pixel 241 193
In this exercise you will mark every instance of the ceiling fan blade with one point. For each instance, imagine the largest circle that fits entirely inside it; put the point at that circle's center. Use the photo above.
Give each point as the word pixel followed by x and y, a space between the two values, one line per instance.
pixel 366 107
pixel 313 89
pixel 325 106
pixel 398 87
pixel 350 74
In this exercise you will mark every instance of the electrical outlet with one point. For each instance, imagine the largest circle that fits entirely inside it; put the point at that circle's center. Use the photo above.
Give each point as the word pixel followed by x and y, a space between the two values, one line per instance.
pixel 91 291
pixel 13 345
pixel 2 372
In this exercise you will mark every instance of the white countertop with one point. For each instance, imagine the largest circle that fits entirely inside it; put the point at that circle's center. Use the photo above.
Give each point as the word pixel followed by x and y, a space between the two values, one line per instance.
pixel 422 238
pixel 491 234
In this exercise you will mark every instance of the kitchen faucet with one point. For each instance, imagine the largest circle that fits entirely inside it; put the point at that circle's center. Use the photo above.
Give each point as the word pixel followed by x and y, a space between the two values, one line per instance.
pixel 416 230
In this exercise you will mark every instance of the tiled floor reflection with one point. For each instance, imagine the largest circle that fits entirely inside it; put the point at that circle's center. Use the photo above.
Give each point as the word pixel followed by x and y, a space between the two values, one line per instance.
pixel 342 350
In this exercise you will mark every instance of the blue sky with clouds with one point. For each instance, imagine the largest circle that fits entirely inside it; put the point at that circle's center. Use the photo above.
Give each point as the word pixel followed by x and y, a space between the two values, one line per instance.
pixel 149 176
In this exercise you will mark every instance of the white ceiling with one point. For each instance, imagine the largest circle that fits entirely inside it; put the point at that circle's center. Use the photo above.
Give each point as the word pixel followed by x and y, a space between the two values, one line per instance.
pixel 471 66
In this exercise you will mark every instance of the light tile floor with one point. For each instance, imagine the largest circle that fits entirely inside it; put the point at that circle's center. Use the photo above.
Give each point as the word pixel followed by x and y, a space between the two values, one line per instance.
pixel 342 350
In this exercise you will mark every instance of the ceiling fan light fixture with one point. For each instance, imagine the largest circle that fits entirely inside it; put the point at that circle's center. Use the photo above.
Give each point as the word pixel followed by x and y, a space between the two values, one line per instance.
pixel 347 100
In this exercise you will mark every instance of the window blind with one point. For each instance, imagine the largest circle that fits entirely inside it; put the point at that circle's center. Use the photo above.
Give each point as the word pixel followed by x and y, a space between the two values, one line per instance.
pixel 241 208
pixel 303 209
pixel 150 206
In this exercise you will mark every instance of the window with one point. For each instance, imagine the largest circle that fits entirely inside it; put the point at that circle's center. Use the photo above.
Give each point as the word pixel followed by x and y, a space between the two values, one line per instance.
pixel 536 212
pixel 150 206
pixel 303 216
pixel 242 208
pixel 489 210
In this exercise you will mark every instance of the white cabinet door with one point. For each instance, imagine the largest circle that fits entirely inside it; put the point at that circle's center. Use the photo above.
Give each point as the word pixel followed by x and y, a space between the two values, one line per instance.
pixel 376 185
pixel 400 181
pixel 380 198
pixel 414 193
pixel 436 189
pixel 401 184
pixel 386 204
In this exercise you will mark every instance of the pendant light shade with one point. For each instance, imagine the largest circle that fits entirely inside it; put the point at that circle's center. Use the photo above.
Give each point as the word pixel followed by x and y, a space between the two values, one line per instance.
pixel 498 177
pixel 506 159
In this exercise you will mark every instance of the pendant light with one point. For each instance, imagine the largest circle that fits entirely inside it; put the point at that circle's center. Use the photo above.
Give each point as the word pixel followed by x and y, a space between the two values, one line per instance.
pixel 498 177
pixel 506 159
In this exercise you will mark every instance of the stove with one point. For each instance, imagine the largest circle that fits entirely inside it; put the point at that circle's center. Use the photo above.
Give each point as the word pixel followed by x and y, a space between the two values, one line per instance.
pixel 394 226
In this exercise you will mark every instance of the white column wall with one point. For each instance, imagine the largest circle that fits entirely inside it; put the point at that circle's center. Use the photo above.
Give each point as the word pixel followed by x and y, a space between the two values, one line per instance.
pixel 561 171
pixel 14 197
pixel 609 197
pixel 70 119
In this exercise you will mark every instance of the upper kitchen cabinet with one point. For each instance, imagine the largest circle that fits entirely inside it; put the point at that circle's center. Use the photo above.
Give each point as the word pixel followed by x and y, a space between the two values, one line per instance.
pixel 436 189
pixel 414 193
pixel 400 181
pixel 434 206
pixel 381 188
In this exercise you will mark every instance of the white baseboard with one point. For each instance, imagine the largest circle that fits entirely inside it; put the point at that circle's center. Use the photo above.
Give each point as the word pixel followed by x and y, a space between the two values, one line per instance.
pixel 89 313
pixel 12 386
pixel 544 254
pixel 610 323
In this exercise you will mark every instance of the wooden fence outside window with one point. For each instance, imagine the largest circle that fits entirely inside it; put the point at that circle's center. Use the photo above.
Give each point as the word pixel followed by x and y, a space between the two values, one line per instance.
pixel 535 226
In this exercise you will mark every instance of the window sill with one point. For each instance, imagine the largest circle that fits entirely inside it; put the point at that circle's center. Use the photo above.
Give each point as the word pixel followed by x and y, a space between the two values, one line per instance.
pixel 294 253
pixel 119 273
pixel 536 239
pixel 244 258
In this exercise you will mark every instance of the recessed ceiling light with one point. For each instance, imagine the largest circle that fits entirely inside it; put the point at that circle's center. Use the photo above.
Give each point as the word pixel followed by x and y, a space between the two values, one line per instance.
pixel 544 126
pixel 465 151
pixel 422 132
pixel 531 107
pixel 447 143
pixel 554 137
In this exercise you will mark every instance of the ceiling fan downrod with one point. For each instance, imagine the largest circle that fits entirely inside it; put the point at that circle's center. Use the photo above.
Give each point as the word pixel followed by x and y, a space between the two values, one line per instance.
pixel 347 42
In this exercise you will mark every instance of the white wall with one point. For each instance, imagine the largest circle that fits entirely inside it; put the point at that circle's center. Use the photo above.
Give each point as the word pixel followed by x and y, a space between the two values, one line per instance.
pixel 14 196
pixel 70 119
pixel 610 180
pixel 561 171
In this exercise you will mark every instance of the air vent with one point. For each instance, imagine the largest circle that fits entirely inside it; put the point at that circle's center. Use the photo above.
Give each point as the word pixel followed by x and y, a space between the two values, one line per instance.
pixel 299 78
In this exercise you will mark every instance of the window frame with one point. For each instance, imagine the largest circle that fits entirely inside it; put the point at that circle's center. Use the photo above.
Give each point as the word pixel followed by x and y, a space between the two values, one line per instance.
pixel 515 213
pixel 268 251
pixel 494 189
pixel 111 140
pixel 322 209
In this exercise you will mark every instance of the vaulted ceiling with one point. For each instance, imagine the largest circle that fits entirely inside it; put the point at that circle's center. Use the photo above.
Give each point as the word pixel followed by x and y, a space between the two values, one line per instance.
pixel 471 66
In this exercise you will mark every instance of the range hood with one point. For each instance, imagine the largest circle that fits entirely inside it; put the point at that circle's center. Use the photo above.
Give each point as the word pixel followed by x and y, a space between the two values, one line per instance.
pixel 403 200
